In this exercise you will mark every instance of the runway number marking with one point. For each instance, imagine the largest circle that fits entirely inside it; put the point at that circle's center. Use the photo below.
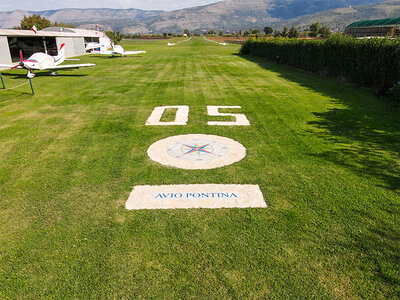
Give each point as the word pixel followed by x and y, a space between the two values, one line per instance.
pixel 182 116
pixel 241 119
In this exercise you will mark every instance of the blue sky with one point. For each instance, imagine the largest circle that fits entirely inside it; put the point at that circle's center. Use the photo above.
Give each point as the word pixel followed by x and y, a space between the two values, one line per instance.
pixel 6 5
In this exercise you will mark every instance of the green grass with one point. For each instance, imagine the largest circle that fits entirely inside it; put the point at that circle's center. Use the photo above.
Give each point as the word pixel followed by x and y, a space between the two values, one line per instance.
pixel 324 153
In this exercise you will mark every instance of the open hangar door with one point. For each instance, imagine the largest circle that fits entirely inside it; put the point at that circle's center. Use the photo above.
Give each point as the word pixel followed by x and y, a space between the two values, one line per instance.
pixel 91 40
pixel 31 45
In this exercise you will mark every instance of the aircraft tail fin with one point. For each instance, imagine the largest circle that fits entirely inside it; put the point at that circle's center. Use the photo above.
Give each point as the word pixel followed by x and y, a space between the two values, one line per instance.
pixel 103 48
pixel 118 49
pixel 61 55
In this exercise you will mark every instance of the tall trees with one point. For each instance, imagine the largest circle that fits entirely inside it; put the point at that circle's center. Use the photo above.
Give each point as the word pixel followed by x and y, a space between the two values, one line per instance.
pixel 325 32
pixel 285 32
pixel 314 29
pixel 268 30
pixel 277 33
pixel 62 24
pixel 317 30
pixel 116 36
pixel 28 22
pixel 293 32
pixel 41 22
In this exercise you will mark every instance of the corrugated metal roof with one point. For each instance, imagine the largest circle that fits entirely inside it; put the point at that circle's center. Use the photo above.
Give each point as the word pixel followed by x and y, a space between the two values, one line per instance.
pixel 375 23
pixel 76 33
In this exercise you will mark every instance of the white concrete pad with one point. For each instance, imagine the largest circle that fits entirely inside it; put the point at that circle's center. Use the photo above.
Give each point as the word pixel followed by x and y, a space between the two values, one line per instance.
pixel 195 196
pixel 196 151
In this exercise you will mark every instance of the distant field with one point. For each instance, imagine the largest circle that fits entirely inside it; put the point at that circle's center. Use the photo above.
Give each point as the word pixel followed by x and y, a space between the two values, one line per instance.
pixel 151 38
pixel 234 40
pixel 324 153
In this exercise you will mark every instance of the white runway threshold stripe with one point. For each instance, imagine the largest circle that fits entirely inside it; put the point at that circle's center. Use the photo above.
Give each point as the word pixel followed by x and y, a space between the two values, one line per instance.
pixel 195 196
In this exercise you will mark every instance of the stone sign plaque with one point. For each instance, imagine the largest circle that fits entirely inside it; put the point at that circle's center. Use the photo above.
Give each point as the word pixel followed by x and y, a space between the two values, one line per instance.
pixel 195 196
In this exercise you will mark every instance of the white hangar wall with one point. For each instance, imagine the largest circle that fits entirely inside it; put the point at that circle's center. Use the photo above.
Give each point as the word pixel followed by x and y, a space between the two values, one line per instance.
pixel 5 56
pixel 74 46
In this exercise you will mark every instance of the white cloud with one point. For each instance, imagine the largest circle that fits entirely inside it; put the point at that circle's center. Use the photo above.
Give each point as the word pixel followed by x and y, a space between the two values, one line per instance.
pixel 56 4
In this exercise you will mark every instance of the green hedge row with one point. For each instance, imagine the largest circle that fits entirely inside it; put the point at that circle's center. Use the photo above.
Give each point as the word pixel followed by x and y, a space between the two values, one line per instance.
pixel 372 63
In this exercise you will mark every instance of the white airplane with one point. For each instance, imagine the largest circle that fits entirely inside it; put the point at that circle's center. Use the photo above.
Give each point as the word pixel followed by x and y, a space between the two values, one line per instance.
pixel 42 61
pixel 92 46
pixel 117 49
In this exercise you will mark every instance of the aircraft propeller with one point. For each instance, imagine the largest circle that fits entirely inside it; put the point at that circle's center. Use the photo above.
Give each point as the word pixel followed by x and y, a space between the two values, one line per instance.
pixel 21 64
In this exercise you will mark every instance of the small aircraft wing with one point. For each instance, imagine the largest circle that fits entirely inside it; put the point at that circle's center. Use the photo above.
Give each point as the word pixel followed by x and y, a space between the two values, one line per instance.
pixel 8 66
pixel 69 66
pixel 106 52
pixel 133 52
pixel 92 46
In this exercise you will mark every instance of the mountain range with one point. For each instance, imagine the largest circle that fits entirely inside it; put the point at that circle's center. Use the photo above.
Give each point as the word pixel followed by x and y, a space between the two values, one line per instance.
pixel 341 17
pixel 228 15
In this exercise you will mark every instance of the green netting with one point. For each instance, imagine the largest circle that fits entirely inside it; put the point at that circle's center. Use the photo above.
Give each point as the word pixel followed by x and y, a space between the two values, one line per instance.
pixel 373 23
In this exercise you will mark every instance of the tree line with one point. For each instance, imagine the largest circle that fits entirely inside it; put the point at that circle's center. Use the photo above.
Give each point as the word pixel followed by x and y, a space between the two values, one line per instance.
pixel 315 30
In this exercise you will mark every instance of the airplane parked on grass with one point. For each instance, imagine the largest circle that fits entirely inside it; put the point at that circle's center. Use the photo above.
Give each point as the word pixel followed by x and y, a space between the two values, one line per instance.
pixel 176 43
pixel 117 50
pixel 93 46
pixel 42 61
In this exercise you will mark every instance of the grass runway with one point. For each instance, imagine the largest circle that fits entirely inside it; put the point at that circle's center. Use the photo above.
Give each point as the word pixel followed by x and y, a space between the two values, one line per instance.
pixel 324 153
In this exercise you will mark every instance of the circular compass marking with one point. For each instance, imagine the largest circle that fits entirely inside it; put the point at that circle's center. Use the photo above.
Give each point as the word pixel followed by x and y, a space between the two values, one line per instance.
pixel 196 151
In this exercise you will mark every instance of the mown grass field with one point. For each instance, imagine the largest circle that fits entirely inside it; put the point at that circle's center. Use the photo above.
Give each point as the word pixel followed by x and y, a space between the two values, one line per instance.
pixel 324 153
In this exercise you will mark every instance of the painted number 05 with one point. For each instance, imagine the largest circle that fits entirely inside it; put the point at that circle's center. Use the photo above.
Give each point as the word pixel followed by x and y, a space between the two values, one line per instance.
pixel 182 116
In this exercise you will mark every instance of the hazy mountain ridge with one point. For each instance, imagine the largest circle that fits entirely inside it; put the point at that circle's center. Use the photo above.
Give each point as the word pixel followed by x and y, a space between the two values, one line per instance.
pixel 341 17
pixel 243 14
pixel 9 19
pixel 113 18
pixel 224 15
pixel 229 14
pixel 285 10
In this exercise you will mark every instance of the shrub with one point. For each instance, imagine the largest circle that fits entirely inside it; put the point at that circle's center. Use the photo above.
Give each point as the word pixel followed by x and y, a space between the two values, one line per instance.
pixel 372 63
pixel 394 92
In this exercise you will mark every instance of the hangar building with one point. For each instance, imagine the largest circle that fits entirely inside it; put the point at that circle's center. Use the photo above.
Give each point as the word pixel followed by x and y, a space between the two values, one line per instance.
pixel 375 28
pixel 47 40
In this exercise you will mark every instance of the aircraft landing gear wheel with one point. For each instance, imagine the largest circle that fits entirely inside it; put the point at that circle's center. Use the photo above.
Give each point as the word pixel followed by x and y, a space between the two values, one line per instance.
pixel 30 74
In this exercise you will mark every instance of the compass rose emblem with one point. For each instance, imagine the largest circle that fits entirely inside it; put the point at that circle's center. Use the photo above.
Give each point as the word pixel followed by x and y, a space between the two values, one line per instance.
pixel 187 149
pixel 196 151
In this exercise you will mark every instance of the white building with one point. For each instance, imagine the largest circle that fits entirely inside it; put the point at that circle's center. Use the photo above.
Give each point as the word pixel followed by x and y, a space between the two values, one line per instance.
pixel 47 40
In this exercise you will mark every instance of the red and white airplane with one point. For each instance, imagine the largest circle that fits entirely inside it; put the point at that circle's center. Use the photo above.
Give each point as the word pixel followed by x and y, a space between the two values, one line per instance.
pixel 42 61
